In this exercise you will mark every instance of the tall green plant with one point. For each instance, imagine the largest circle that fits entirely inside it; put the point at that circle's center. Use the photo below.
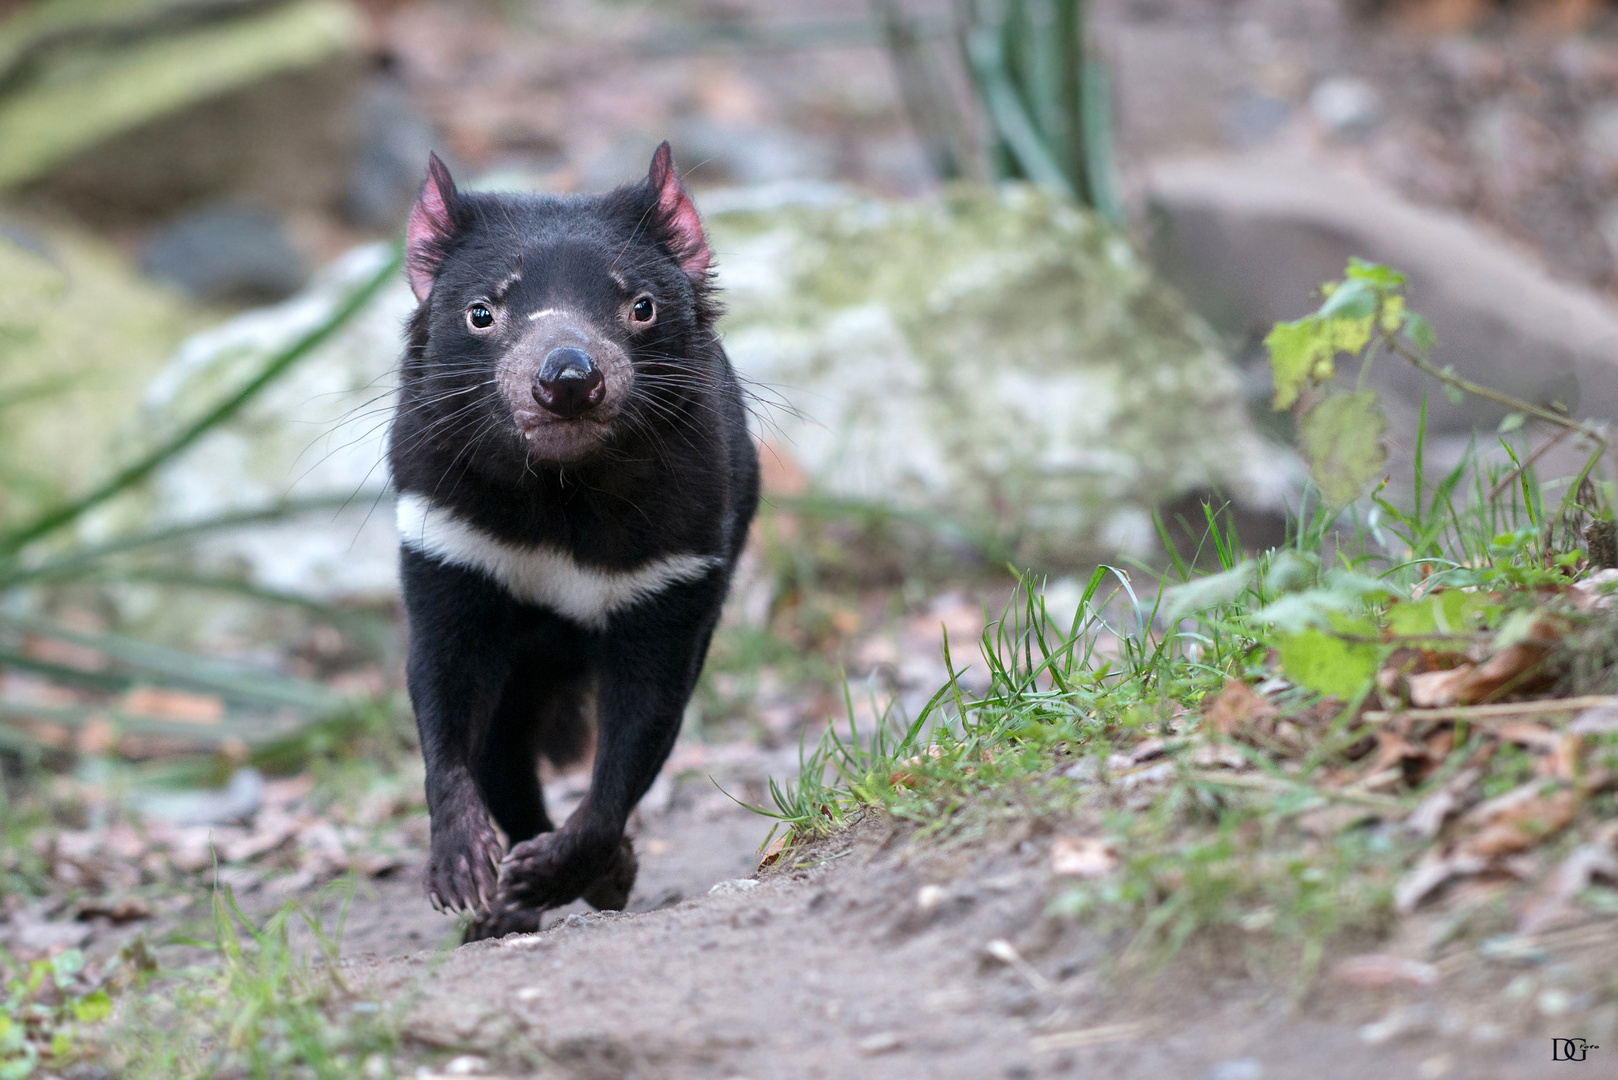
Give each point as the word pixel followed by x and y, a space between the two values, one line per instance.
pixel 1044 95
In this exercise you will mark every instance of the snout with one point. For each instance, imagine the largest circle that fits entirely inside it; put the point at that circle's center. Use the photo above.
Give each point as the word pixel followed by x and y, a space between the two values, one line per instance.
pixel 568 384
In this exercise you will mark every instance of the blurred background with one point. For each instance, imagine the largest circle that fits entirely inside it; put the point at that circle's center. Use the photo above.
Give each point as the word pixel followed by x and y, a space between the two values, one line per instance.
pixel 1058 231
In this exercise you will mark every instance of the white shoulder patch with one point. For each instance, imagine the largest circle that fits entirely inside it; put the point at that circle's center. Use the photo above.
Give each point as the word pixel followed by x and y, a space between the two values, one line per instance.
pixel 541 574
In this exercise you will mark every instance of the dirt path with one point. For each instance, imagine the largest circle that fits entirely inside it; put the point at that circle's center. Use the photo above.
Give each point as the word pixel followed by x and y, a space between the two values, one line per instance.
pixel 843 965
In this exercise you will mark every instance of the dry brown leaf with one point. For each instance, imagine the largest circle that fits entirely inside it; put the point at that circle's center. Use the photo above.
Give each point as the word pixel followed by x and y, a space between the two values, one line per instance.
pixel 1594 591
pixel 1432 873
pixel 1436 689
pixel 1083 856
pixel 174 706
pixel 1522 824
pixel 777 846
pixel 903 776
pixel 126 910
pixel 1237 708
pixel 1566 760
pixel 1430 814
pixel 1373 971
pixel 1517 668
pixel 1537 736
pixel 1556 906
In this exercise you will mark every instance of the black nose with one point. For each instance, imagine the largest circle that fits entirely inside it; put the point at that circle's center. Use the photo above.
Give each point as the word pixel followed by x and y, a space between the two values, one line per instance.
pixel 567 383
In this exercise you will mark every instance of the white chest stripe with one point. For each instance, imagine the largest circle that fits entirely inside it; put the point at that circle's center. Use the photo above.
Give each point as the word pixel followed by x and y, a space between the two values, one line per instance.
pixel 542 575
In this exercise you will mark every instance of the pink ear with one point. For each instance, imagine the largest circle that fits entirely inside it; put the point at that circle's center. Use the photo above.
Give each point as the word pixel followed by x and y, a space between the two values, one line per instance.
pixel 679 215
pixel 429 228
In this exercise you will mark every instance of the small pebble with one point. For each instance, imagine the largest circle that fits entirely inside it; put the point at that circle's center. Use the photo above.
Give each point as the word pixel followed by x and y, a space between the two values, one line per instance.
pixel 881 1043
pixel 1237 1069
pixel 1554 1002
pixel 733 886
pixel 1435 1067
pixel 930 896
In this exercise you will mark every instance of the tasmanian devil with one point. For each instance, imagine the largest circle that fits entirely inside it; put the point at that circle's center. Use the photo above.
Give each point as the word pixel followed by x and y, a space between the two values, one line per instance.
pixel 575 482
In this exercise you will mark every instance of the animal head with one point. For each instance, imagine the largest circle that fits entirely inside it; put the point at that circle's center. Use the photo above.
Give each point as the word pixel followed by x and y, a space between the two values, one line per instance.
pixel 556 327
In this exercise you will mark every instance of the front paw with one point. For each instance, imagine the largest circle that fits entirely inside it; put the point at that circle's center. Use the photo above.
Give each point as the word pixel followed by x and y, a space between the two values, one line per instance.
pixel 552 869
pixel 610 891
pixel 463 870
pixel 500 922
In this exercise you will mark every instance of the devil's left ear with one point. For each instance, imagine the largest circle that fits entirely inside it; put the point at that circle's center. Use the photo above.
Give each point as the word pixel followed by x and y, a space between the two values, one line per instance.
pixel 431 225
pixel 679 216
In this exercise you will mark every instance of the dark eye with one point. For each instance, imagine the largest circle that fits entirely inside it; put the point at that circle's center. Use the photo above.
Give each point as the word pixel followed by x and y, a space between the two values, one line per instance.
pixel 480 316
pixel 644 309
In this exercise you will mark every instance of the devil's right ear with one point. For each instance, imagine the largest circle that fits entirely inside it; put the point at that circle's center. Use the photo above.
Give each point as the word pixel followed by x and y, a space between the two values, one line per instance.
pixel 432 223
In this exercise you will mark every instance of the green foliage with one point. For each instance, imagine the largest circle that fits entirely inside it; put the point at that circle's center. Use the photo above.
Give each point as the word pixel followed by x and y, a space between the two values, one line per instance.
pixel 44 1012
pixel 265 1011
pixel 1045 97
pixel 1470 560
pixel 1343 439
pixel 1328 664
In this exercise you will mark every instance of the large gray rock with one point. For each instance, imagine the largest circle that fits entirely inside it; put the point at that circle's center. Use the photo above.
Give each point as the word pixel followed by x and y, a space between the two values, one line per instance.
pixel 1000 359
pixel 1248 238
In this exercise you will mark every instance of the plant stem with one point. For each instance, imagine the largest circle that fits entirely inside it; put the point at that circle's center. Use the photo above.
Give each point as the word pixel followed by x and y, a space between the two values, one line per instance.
pixel 1516 404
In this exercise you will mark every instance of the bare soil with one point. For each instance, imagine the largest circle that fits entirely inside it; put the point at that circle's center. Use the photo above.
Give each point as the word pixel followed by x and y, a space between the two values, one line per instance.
pixel 830 966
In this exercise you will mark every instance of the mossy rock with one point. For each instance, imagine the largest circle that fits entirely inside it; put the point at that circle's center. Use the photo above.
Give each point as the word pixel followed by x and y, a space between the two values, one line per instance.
pixel 1001 358
pixel 81 335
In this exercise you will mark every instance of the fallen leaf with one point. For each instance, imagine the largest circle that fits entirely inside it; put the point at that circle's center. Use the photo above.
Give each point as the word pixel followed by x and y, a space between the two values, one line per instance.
pixel 1556 906
pixel 1147 751
pixel 128 909
pixel 1083 856
pixel 1595 591
pixel 1373 971
pixel 776 847
pixel 1601 720
pixel 1432 873
pixel 1237 709
pixel 1430 814
pixel 1520 823
pixel 1524 733
pixel 1436 689
pixel 173 706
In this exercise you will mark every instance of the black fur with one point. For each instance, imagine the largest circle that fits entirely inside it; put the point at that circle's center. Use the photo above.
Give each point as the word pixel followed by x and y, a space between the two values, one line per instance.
pixel 496 681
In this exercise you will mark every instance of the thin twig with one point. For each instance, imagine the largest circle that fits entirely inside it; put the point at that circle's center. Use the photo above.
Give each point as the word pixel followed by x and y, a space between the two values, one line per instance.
pixel 1505 710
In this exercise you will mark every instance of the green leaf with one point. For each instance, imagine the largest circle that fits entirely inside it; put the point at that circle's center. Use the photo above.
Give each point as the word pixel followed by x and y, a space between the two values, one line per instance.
pixel 1208 592
pixel 1449 611
pixel 1304 352
pixel 1512 422
pixel 1349 300
pixel 93 1006
pixel 66 964
pixel 1338 603
pixel 1420 334
pixel 1342 439
pixel 1326 664
pixel 1379 277
pixel 1295 356
pixel 1393 313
